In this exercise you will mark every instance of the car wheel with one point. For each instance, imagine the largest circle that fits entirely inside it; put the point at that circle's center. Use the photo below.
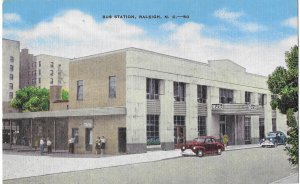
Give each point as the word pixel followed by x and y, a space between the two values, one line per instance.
pixel 200 153
pixel 263 146
pixel 219 151
pixel 183 149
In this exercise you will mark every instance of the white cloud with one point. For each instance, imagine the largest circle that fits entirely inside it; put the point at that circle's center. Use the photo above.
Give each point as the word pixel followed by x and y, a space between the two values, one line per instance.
pixel 75 34
pixel 291 22
pixel 233 18
pixel 11 17
pixel 227 15
pixel 168 26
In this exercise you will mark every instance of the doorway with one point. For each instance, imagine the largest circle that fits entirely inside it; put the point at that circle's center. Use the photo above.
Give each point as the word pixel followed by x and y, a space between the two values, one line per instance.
pixel 122 140
pixel 88 139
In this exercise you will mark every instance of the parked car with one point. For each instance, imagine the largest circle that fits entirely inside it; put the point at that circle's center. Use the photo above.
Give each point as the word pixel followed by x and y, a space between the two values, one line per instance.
pixel 203 145
pixel 273 139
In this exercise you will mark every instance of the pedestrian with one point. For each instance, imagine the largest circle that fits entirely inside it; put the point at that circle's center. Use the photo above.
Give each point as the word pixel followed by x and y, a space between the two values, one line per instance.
pixel 42 145
pixel 49 145
pixel 71 145
pixel 102 147
pixel 98 146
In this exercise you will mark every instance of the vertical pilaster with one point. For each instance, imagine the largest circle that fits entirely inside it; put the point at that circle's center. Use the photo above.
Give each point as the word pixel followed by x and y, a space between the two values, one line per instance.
pixel 254 120
pixel 213 124
pixel 136 114
pixel 191 119
pixel 166 124
pixel 268 113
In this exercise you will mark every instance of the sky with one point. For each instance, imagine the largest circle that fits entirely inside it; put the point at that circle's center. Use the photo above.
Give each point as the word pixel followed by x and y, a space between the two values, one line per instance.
pixel 254 34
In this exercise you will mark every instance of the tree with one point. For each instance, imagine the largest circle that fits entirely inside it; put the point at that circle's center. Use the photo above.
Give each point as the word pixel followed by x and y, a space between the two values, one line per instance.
pixel 283 83
pixel 64 94
pixel 31 99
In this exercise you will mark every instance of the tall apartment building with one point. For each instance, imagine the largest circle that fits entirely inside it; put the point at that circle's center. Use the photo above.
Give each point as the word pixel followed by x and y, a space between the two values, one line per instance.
pixel 10 71
pixel 52 70
pixel 27 69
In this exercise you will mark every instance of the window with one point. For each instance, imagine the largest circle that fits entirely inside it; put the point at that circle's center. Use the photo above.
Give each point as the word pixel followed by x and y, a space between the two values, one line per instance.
pixel 179 91
pixel 40 63
pixel 274 127
pixel 247 97
pixel 75 135
pixel 11 76
pixel 153 130
pixel 152 89
pixel 261 128
pixel 51 64
pixel 80 90
pixel 202 93
pixel 226 96
pixel 202 125
pixel 32 81
pixel 11 95
pixel 11 59
pixel 179 120
pixel 51 81
pixel 51 72
pixel 247 129
pixel 59 81
pixel 11 68
pixel 39 80
pixel 40 72
pixel 112 87
pixel 261 100
pixel 34 64
pixel 11 86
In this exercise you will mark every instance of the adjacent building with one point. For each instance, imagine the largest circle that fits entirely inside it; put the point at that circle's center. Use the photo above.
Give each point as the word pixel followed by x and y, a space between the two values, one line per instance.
pixel 27 69
pixel 10 71
pixel 142 100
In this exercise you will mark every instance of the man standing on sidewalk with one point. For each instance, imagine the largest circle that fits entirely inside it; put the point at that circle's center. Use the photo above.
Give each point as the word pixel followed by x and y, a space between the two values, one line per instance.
pixel 42 145
pixel 103 142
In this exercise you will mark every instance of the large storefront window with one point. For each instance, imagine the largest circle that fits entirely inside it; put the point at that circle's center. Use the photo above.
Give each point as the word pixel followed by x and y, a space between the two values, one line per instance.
pixel 179 91
pixel 261 128
pixel 153 130
pixel 202 93
pixel 226 96
pixel 274 127
pixel 247 130
pixel 202 125
pixel 152 89
pixel 75 134
pixel 179 129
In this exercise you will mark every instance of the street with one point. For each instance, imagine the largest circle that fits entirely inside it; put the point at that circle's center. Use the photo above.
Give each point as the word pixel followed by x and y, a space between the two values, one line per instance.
pixel 257 165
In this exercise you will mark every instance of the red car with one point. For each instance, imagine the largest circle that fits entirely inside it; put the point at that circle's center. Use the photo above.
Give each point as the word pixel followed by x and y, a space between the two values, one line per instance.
pixel 204 145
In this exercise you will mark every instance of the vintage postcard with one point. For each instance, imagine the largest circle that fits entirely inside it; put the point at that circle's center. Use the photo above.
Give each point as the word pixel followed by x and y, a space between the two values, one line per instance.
pixel 149 91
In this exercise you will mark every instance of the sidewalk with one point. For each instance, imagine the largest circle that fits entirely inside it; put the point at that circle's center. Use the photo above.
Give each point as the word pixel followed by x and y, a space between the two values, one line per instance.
pixel 14 164
pixel 293 178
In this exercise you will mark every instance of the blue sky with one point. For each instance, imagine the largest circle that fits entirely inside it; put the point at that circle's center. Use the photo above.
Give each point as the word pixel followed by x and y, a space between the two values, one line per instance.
pixel 214 30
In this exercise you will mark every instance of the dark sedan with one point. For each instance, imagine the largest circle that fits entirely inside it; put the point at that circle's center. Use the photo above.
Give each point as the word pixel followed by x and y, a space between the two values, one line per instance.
pixel 273 139
pixel 203 145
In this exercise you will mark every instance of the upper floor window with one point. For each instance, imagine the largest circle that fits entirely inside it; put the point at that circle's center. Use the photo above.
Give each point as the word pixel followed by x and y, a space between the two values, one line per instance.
pixel 80 90
pixel 261 100
pixel 11 59
pixel 152 88
pixel 11 68
pixel 40 72
pixel 11 86
pixel 51 72
pixel 59 67
pixel 11 95
pixel 179 91
pixel 247 97
pixel 39 80
pixel 51 81
pixel 51 64
pixel 11 76
pixel 202 93
pixel 112 86
pixel 40 63
pixel 226 96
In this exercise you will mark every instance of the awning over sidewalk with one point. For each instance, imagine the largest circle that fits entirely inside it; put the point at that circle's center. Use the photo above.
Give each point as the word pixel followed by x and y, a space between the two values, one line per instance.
pixel 106 111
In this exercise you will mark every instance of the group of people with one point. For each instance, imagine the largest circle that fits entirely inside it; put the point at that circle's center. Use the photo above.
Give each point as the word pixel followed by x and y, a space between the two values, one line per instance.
pixel 100 145
pixel 44 143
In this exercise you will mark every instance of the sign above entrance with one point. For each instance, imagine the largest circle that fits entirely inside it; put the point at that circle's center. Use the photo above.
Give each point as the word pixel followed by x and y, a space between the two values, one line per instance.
pixel 88 123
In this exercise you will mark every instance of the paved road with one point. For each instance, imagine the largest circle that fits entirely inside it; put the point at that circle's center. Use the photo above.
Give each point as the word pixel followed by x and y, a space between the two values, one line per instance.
pixel 259 165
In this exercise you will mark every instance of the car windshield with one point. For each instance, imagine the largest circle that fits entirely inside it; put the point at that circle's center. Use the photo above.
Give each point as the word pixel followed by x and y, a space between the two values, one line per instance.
pixel 271 134
pixel 199 139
